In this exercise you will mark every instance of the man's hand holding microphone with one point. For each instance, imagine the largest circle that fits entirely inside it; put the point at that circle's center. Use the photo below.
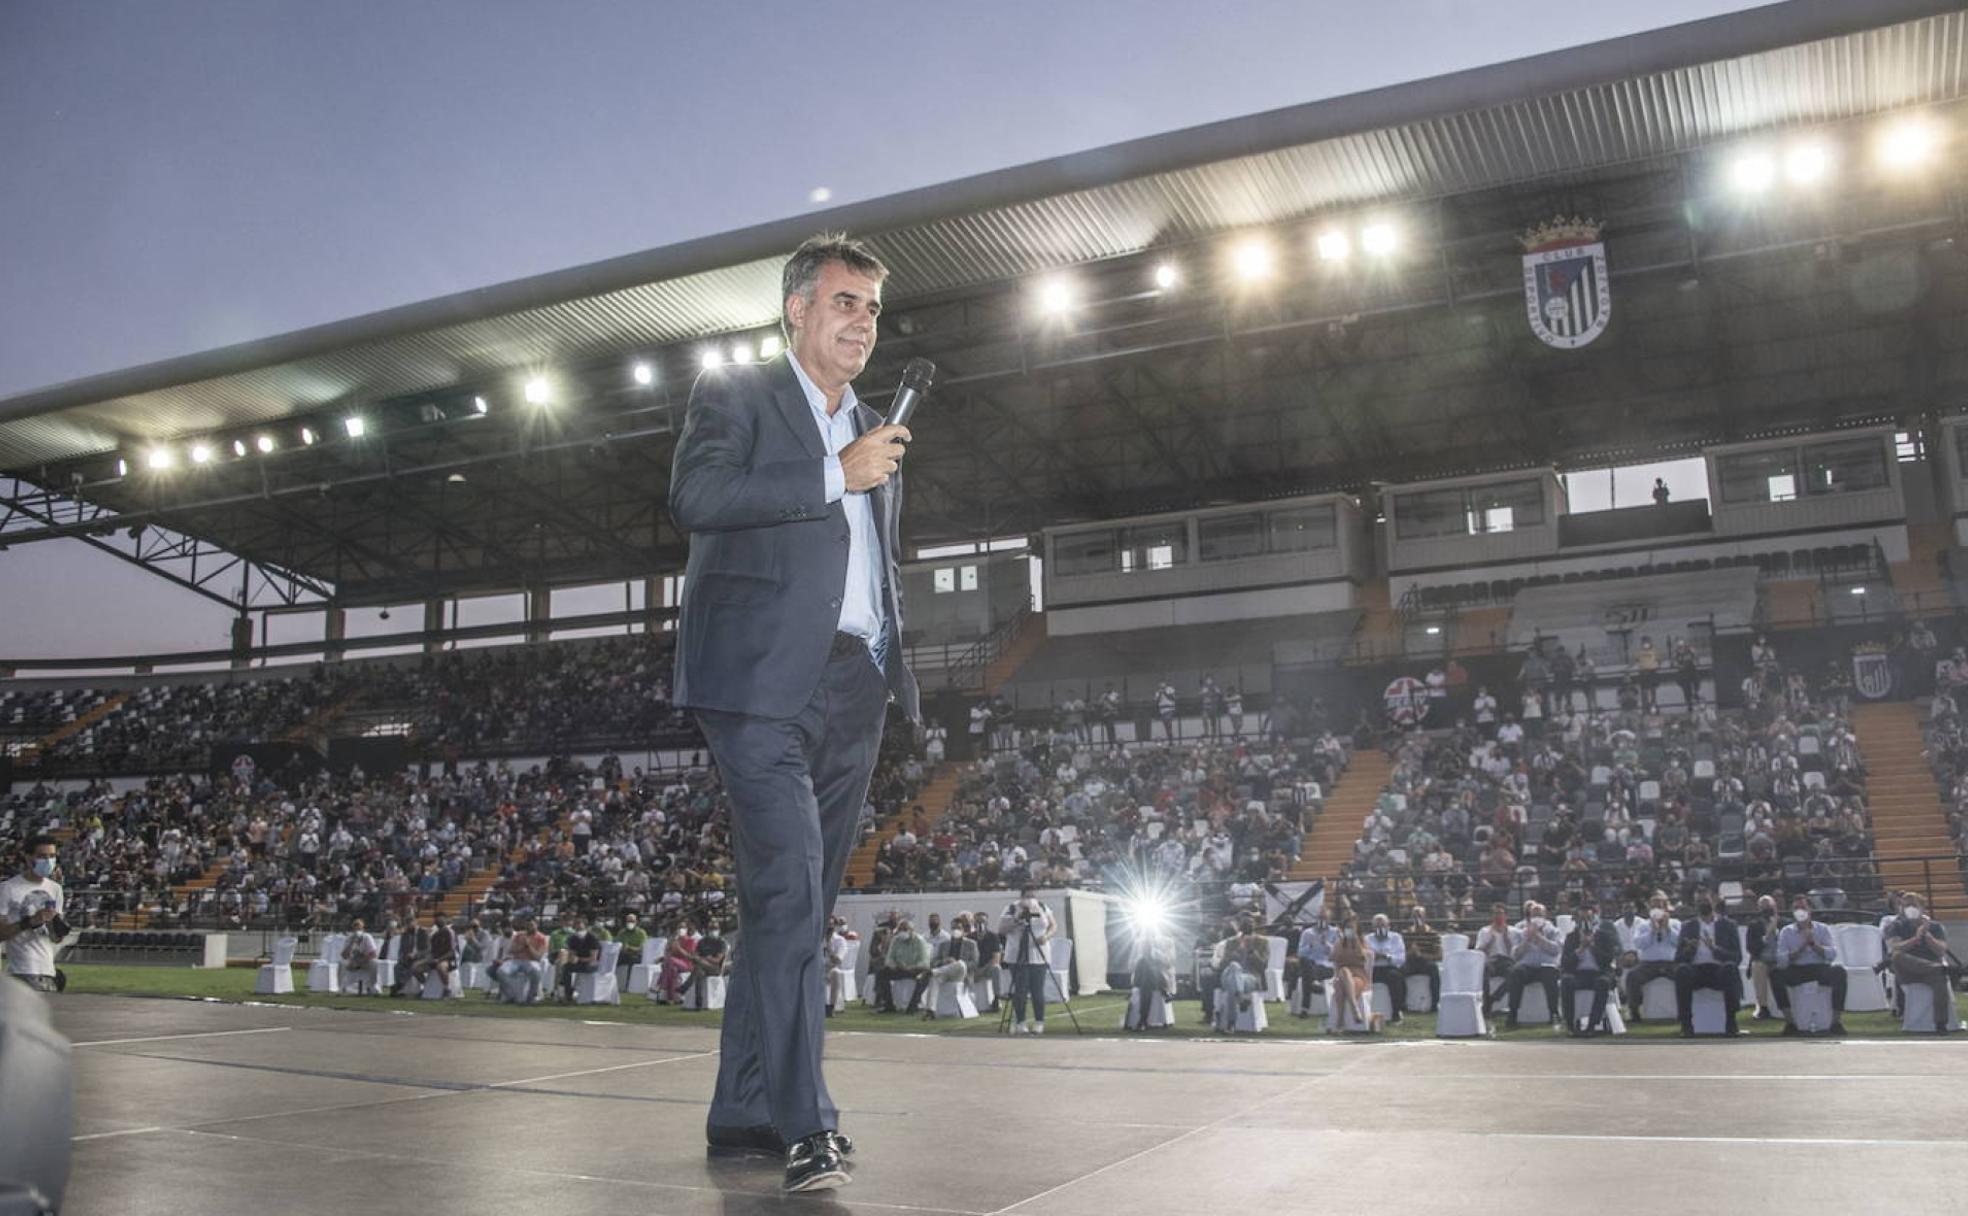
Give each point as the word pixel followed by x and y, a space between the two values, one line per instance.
pixel 873 458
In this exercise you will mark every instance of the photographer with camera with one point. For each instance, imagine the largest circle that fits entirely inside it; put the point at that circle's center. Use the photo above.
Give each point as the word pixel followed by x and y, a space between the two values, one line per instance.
pixel 30 917
pixel 1026 926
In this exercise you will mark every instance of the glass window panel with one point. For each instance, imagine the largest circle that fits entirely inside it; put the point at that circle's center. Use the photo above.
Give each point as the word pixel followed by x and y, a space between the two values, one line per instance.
pixel 1758 476
pixel 1522 502
pixel 1296 529
pixel 1222 537
pixel 1084 553
pixel 1846 467
pixel 1426 513
pixel 1155 546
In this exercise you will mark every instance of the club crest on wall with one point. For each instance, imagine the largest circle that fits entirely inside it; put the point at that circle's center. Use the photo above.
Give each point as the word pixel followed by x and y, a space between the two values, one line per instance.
pixel 1567 291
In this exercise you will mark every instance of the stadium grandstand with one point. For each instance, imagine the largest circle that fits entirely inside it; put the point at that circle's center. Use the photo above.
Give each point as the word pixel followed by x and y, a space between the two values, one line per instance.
pixel 1289 542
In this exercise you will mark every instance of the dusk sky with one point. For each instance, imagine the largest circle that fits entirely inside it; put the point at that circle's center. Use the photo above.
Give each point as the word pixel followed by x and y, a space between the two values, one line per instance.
pixel 185 175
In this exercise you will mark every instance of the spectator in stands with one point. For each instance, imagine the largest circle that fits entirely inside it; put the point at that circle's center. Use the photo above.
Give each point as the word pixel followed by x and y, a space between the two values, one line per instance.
pixel 908 958
pixel 1107 711
pixel 1233 705
pixel 1807 952
pixel 990 959
pixel 1535 961
pixel 1352 966
pixel 1587 673
pixel 1390 960
pixel 1709 955
pixel 579 955
pixel 679 961
pixel 1315 944
pixel 980 729
pixel 523 972
pixel 1485 707
pixel 1424 946
pixel 1646 665
pixel 1761 946
pixel 1655 945
pixel 1687 673
pixel 358 961
pixel 1165 708
pixel 632 937
pixel 1586 963
pixel 1917 953
pixel 1211 698
pixel 1660 491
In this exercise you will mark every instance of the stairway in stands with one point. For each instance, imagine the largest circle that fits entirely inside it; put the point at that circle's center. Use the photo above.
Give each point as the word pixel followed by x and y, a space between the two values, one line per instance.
pixel 1023 645
pixel 1481 630
pixel 140 918
pixel 934 797
pixel 1329 846
pixel 469 891
pixel 1380 628
pixel 40 747
pixel 1907 820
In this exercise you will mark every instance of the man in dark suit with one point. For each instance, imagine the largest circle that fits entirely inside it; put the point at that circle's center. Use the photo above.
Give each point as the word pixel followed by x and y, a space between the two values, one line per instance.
pixel 1586 964
pixel 789 653
pixel 1709 955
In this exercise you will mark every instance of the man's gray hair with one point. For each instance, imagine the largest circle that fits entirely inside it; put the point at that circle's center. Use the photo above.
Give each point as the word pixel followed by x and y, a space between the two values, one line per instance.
pixel 802 270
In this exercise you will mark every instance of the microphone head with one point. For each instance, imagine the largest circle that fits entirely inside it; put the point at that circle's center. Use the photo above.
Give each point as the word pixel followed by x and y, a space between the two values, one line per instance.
pixel 918 375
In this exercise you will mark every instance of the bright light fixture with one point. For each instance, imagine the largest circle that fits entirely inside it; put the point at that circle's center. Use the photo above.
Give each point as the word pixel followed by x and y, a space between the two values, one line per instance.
pixel 1909 142
pixel 264 443
pixel 1150 916
pixel 644 374
pixel 308 436
pixel 1378 239
pixel 122 467
pixel 1807 162
pixel 354 425
pixel 1333 246
pixel 1253 259
pixel 1858 591
pixel 1753 172
pixel 1166 276
pixel 819 194
pixel 538 391
pixel 1433 630
pixel 1055 296
pixel 741 352
pixel 160 458
pixel 200 453
pixel 712 357
pixel 239 447
pixel 770 345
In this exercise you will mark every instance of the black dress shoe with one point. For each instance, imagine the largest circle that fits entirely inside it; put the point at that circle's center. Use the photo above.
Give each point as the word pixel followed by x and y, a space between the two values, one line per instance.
pixel 761 1141
pixel 1837 1027
pixel 813 1164
pixel 842 1145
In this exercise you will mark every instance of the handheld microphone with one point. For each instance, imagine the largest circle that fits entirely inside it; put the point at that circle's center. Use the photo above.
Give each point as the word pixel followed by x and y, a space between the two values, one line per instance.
pixel 916 379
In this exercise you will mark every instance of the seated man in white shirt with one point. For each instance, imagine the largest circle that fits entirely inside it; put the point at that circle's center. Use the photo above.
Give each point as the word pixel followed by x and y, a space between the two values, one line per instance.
pixel 359 958
pixel 1536 962
pixel 1806 951
pixel 1390 955
pixel 1655 943
pixel 1315 945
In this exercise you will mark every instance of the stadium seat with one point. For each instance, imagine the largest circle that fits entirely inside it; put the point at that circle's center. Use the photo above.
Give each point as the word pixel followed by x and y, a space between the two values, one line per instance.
pixel 1452 942
pixel 1810 1006
pixel 1461 1013
pixel 1535 1011
pixel 1708 1013
pixel 949 1000
pixel 1158 1010
pixel 278 976
pixel 474 977
pixel 324 973
pixel 708 993
pixel 598 986
pixel 1919 1015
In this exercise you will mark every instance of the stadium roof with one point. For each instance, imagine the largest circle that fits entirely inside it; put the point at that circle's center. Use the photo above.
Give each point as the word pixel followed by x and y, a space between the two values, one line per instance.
pixel 1582 124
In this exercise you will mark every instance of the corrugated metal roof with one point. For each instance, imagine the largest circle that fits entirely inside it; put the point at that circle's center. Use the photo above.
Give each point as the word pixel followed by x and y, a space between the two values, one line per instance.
pixel 1637 98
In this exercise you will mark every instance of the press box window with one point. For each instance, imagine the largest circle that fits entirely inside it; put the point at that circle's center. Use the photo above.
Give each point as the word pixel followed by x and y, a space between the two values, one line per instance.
pixel 1297 529
pixel 1767 476
pixel 1084 553
pixel 1154 546
pixel 1846 467
pixel 1226 537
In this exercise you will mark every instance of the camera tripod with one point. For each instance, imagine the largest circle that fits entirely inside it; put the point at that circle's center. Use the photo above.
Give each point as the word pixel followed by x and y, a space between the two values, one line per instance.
pixel 1036 948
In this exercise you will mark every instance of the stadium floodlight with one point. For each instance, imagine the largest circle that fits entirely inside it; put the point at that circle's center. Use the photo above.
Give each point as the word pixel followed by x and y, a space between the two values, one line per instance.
pixel 770 345
pixel 1807 162
pixel 642 373
pixel 264 443
pixel 481 406
pixel 160 458
pixel 308 436
pixel 1333 245
pixel 1858 591
pixel 1753 172
pixel 741 352
pixel 819 194
pixel 354 425
pixel 1252 258
pixel 1433 630
pixel 201 453
pixel 1055 296
pixel 1166 276
pixel 1909 142
pixel 1379 239
pixel 712 357
pixel 122 467
pixel 538 390
pixel 239 448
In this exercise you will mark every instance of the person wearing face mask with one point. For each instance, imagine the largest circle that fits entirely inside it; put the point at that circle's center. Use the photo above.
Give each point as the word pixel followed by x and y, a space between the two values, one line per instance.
pixel 1315 945
pixel 1390 957
pixel 1761 945
pixel 1498 943
pixel 1424 955
pixel 1654 946
pixel 1709 955
pixel 1535 962
pixel 1806 952
pixel 1587 964
pixel 30 916
pixel 1916 948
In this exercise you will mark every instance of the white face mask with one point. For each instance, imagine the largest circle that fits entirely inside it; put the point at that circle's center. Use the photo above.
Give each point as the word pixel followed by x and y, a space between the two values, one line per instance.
pixel 1800 915
pixel 1660 913
pixel 1911 912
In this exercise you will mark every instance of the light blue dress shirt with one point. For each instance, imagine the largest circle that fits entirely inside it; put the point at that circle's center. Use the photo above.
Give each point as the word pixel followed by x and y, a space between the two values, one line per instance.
pixel 861 598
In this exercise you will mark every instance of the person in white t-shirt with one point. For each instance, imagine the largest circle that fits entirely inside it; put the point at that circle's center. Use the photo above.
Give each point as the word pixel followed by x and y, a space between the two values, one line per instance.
pixel 30 916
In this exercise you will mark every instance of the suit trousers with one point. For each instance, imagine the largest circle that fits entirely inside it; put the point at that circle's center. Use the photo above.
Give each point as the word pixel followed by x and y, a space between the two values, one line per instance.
pixel 797 786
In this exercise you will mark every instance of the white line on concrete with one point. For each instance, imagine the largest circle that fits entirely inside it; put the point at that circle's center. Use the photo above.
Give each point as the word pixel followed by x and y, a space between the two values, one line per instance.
pixel 128 1131
pixel 588 1072
pixel 165 1038
pixel 1841 1141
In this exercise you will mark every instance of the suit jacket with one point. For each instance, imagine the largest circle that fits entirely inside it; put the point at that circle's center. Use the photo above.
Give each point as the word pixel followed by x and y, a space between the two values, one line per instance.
pixel 768 554
pixel 1728 941
pixel 1605 947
